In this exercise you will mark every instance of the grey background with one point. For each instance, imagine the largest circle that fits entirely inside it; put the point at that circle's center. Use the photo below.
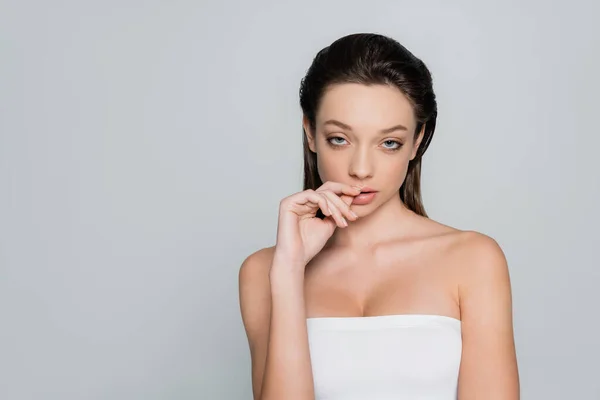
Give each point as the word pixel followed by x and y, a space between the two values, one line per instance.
pixel 144 147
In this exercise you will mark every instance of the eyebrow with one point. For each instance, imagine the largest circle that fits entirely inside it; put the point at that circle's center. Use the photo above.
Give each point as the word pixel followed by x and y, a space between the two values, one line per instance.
pixel 339 124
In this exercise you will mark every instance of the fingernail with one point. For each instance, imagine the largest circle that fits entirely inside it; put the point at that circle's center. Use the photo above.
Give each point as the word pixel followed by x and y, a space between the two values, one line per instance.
pixel 344 222
pixel 353 214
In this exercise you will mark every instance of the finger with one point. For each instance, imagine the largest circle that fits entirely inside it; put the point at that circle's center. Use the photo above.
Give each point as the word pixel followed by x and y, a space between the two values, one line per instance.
pixel 341 205
pixel 305 202
pixel 310 198
pixel 329 208
pixel 336 214
pixel 347 199
pixel 340 188
pixel 345 192
pixel 318 200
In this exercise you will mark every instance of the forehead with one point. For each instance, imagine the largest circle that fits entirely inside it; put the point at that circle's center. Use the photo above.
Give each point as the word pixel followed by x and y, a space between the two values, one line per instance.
pixel 366 107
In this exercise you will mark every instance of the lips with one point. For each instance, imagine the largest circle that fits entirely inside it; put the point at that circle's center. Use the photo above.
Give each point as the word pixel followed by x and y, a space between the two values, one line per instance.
pixel 367 190
pixel 365 197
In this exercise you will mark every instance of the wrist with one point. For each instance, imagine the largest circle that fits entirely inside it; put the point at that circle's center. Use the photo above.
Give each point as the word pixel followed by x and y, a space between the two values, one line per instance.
pixel 286 284
pixel 287 264
pixel 286 272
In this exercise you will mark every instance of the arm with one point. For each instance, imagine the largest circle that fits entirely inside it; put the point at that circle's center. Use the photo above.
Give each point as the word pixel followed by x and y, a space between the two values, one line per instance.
pixel 489 367
pixel 272 307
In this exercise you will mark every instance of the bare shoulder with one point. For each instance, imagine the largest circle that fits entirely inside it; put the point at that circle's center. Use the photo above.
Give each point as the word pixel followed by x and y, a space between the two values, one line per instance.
pixel 474 256
pixel 478 253
pixel 482 273
pixel 255 306
pixel 462 245
pixel 488 363
pixel 256 266
pixel 254 291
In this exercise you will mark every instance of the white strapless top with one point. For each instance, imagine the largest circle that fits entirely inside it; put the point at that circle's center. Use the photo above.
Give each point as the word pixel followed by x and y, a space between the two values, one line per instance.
pixel 408 356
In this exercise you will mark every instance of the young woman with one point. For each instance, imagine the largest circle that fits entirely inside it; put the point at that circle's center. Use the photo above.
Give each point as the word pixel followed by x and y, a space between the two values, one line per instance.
pixel 363 296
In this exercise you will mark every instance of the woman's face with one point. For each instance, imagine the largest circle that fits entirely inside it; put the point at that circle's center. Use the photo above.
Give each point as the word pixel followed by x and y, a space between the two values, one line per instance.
pixel 364 135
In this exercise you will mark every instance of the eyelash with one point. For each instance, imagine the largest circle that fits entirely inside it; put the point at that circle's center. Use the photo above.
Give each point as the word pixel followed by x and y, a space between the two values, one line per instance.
pixel 337 146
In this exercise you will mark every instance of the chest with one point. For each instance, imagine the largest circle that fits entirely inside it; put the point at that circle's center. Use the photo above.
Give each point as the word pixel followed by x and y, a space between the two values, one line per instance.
pixel 388 281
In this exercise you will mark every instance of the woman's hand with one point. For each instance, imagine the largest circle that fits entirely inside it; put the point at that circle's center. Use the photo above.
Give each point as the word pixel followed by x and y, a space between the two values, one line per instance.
pixel 300 234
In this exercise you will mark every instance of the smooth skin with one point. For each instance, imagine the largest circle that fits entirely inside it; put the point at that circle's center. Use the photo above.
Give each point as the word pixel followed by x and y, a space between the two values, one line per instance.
pixel 374 259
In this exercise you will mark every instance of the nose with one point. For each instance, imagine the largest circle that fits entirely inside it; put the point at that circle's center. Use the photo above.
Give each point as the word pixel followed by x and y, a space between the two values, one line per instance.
pixel 361 165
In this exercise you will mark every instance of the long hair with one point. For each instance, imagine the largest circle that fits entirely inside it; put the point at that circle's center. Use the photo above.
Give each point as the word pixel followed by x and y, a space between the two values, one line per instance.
pixel 370 59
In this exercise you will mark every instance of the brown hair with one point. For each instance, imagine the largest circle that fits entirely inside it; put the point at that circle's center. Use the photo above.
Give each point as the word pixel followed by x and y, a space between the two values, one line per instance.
pixel 370 59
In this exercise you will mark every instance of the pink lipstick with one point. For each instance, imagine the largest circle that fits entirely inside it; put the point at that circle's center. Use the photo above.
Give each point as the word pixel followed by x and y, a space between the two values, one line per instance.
pixel 366 196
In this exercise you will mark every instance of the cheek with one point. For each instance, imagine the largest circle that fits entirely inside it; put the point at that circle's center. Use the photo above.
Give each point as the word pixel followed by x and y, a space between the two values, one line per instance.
pixel 329 167
pixel 395 169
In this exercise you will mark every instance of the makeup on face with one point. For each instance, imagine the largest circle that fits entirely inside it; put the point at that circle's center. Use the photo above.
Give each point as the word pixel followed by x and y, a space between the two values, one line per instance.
pixel 366 196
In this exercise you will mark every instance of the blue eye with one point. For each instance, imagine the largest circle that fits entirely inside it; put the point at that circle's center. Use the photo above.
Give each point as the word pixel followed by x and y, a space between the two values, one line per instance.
pixel 330 140
pixel 338 142
pixel 393 143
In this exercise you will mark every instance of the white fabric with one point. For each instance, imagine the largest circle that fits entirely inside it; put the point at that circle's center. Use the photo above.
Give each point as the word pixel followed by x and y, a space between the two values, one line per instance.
pixel 408 356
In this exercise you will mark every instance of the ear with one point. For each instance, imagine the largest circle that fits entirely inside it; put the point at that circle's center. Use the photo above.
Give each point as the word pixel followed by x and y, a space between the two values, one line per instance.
pixel 417 143
pixel 310 137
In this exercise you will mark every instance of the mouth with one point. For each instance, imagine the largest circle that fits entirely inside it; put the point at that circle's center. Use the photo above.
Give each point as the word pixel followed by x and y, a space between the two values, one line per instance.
pixel 368 190
pixel 365 197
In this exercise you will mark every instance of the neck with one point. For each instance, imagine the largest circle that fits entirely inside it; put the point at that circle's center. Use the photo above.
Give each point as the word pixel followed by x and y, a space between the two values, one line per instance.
pixel 390 220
